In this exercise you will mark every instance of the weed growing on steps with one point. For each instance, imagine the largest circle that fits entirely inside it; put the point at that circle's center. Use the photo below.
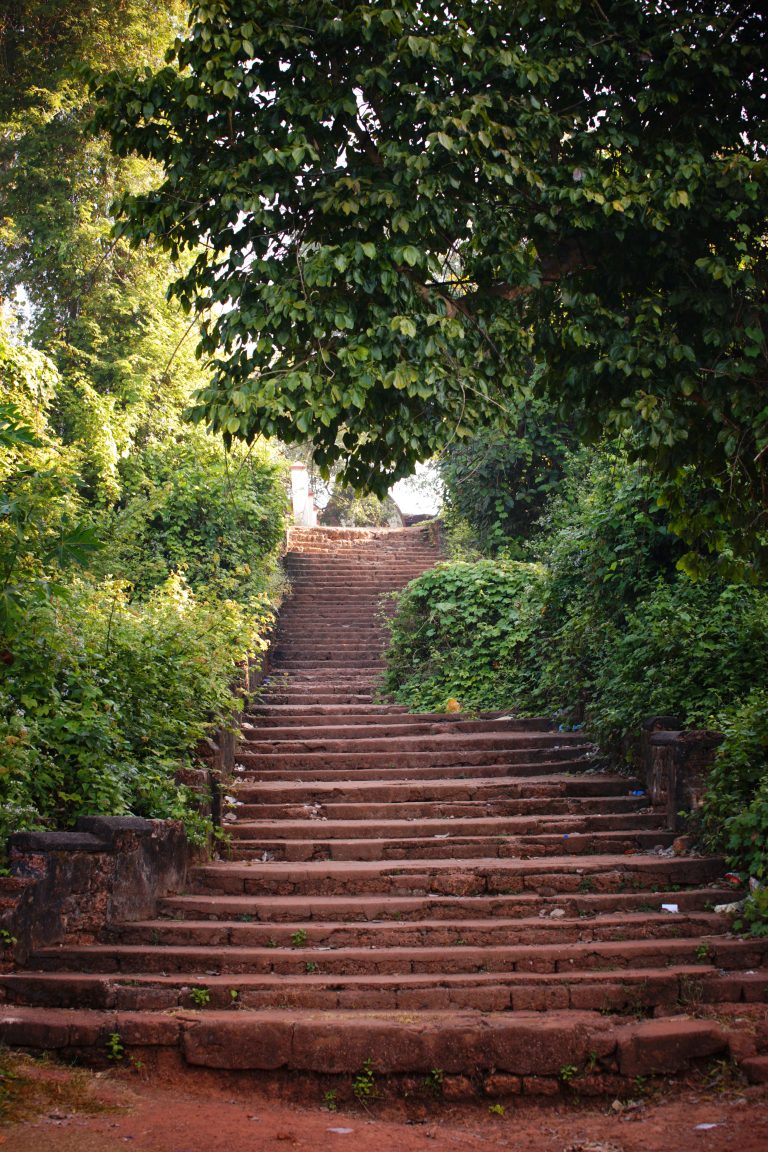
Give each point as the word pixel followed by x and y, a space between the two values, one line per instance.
pixel 434 1081
pixel 364 1084
pixel 115 1047
pixel 200 997
pixel 299 938
pixel 7 940
pixel 330 1102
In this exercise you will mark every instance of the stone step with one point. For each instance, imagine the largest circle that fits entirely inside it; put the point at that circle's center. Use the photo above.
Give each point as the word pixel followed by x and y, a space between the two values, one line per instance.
pixel 609 873
pixel 433 827
pixel 303 571
pixel 360 727
pixel 451 933
pixel 365 662
pixel 304 769
pixel 297 714
pixel 407 814
pixel 641 991
pixel 517 1053
pixel 722 953
pixel 517 741
pixel 365 910
pixel 320 698
pixel 526 761
pixel 462 788
pixel 460 847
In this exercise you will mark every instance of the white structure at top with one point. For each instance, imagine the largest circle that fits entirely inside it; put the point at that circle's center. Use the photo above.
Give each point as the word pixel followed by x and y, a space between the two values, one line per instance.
pixel 304 511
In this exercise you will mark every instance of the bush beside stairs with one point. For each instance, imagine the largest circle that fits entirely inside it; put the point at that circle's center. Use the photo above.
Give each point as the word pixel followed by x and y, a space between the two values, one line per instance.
pixel 468 902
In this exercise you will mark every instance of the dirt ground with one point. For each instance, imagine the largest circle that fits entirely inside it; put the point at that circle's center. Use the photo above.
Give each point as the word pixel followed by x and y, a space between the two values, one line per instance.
pixel 50 1109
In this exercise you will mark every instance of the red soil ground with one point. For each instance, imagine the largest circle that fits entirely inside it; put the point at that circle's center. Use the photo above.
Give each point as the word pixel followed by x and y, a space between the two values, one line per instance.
pixel 714 1115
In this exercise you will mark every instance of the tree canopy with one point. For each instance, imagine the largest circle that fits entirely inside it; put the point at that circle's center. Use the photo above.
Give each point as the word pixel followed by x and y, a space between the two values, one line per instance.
pixel 405 213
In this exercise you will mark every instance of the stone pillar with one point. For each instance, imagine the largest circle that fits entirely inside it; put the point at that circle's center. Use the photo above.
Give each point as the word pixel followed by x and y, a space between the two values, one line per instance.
pixel 676 764
pixel 304 512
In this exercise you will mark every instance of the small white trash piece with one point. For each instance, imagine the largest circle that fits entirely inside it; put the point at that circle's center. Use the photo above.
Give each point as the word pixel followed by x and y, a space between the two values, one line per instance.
pixel 670 907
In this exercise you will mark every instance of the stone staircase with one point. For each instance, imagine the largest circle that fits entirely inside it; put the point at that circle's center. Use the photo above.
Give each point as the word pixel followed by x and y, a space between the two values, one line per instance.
pixel 466 902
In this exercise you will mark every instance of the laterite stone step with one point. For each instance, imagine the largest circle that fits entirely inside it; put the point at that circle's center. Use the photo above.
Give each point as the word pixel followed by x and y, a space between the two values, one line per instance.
pixel 477 894
pixel 530 1049
pixel 373 908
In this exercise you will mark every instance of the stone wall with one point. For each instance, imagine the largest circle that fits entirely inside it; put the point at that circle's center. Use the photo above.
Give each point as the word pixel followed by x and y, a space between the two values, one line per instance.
pixel 69 885
pixel 675 764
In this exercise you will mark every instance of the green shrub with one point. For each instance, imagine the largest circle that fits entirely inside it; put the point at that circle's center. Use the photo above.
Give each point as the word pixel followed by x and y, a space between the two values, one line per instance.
pixel 457 631
pixel 498 484
pixel 104 700
pixel 689 649
pixel 189 506
pixel 606 629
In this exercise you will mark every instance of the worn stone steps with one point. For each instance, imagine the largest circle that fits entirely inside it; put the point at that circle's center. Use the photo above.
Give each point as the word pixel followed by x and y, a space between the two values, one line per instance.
pixel 502 1053
pixel 304 773
pixel 606 955
pixel 474 739
pixel 431 827
pixel 488 762
pixel 331 713
pixel 461 847
pixel 277 720
pixel 467 877
pixel 500 786
pixel 434 933
pixel 375 908
pixel 642 991
pixel 484 789
pixel 475 894
pixel 273 728
pixel 407 814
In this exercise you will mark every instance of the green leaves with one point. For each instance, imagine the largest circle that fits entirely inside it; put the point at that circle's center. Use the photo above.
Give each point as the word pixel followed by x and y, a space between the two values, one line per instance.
pixel 76 546
pixel 437 160
pixel 13 432
pixel 456 632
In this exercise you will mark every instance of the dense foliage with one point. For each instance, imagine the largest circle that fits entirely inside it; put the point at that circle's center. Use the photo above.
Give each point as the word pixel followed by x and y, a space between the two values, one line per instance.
pixel 108 683
pixel 347 508
pixel 500 482
pixel 413 210
pixel 187 506
pixel 457 632
pixel 603 629
pixel 137 558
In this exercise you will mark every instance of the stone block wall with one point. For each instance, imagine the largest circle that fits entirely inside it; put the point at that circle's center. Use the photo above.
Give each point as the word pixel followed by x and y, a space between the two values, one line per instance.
pixel 68 885
pixel 675 764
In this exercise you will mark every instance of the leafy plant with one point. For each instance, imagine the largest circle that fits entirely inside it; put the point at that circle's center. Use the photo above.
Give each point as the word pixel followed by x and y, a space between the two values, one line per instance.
pixel 364 1084
pixel 434 1081
pixel 457 630
pixel 115 1047
pixel 7 940
pixel 200 997
pixel 299 938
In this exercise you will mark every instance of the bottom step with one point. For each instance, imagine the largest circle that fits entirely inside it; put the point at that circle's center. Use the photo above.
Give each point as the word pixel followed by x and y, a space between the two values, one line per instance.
pixel 527 1052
